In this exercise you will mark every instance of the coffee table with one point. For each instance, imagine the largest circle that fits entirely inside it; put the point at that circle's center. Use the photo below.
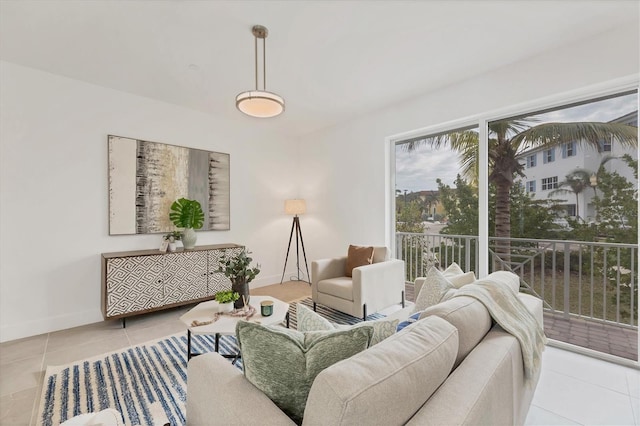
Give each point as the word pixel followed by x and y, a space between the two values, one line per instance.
pixel 226 324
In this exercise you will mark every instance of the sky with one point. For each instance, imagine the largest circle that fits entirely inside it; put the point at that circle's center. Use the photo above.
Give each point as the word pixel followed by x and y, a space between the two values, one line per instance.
pixel 418 170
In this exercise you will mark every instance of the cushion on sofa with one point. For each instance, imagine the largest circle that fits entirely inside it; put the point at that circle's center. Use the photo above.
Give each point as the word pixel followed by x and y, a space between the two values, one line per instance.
pixel 358 256
pixel 466 314
pixel 283 363
pixel 452 270
pixel 457 276
pixel 434 288
pixel 387 383
pixel 308 320
pixel 462 279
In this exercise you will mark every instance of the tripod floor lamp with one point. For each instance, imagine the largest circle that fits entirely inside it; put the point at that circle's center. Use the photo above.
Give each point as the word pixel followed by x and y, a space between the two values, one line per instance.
pixel 296 207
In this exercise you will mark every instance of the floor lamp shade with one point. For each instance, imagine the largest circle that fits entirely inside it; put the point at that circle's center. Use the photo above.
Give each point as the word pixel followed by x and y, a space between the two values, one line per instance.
pixel 295 207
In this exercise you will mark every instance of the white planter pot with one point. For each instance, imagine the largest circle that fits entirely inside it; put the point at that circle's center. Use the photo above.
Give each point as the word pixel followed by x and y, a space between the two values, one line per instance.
pixel 189 238
pixel 226 307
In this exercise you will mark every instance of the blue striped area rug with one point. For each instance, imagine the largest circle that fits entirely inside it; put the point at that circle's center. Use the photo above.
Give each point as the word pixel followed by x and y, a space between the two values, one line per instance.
pixel 146 383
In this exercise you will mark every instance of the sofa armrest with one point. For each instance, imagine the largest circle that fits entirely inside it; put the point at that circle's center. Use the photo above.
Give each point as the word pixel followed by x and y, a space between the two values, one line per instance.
pixel 378 285
pixel 325 269
pixel 534 305
pixel 218 393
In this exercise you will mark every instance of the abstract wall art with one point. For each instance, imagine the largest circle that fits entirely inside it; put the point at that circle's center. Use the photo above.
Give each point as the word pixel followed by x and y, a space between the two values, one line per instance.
pixel 146 177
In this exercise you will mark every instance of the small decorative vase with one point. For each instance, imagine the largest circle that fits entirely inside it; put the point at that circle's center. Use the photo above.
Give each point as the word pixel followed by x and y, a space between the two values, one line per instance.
pixel 172 246
pixel 189 238
pixel 226 307
pixel 242 288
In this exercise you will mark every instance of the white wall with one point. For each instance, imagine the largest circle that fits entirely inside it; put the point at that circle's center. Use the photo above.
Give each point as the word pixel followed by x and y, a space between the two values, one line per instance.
pixel 53 197
pixel 344 180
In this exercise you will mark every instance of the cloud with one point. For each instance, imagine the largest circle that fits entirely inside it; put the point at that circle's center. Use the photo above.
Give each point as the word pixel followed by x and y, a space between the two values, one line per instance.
pixel 601 111
pixel 418 170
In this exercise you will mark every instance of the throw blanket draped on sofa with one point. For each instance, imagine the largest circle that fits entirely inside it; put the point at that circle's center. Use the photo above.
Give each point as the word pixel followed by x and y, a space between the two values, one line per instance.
pixel 513 316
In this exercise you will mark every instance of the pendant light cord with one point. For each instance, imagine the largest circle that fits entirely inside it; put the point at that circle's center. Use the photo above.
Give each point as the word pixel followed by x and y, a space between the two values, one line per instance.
pixel 256 58
pixel 264 64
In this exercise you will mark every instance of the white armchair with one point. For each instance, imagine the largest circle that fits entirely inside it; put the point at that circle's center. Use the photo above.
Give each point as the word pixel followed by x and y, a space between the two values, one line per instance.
pixel 370 289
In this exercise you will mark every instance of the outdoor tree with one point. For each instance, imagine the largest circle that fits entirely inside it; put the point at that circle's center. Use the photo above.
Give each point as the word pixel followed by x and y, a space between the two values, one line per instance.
pixel 617 205
pixel 461 207
pixel 532 218
pixel 409 217
pixel 510 138
pixel 578 181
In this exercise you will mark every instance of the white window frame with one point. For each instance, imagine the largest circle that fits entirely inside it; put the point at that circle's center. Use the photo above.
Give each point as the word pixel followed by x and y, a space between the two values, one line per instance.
pixel 549 183
pixel 570 149
pixel 549 155
pixel 608 88
pixel 532 160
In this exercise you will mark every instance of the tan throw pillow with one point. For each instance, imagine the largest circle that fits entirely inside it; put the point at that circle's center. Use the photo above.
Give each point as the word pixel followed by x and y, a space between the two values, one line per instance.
pixel 358 256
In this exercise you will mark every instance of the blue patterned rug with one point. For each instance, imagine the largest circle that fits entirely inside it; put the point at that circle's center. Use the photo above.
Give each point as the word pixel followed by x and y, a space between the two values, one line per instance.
pixel 146 383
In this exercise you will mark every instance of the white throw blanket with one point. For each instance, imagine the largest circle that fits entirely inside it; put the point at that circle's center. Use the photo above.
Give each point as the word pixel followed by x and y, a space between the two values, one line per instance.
pixel 513 316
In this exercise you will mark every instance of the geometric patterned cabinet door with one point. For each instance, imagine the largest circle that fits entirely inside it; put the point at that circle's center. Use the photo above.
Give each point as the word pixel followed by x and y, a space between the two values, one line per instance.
pixel 141 281
pixel 217 281
pixel 134 284
pixel 185 276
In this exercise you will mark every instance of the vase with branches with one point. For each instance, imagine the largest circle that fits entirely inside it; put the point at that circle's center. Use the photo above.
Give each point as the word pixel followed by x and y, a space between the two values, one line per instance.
pixel 237 267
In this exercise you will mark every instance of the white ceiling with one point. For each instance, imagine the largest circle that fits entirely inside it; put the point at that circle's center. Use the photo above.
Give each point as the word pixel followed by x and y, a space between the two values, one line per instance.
pixel 330 60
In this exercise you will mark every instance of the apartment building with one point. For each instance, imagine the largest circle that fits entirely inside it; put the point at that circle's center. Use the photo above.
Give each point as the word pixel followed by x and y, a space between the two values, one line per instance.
pixel 547 168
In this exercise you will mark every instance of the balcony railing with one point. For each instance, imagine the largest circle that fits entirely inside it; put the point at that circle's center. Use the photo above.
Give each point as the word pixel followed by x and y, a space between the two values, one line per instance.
pixel 575 279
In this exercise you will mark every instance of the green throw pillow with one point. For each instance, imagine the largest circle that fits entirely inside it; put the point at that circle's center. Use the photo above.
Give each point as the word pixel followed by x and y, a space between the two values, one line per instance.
pixel 308 320
pixel 283 363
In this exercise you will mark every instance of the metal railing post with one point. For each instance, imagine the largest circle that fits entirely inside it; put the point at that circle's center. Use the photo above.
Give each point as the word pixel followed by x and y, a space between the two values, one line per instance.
pixel 567 278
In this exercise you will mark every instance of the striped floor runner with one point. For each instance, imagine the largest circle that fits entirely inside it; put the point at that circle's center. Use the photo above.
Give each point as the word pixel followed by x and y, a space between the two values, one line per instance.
pixel 141 380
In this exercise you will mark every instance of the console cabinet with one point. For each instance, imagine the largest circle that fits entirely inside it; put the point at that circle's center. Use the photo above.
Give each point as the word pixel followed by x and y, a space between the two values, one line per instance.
pixel 135 282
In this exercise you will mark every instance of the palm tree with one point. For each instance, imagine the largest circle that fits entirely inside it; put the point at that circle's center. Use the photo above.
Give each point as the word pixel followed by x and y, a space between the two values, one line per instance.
pixel 577 181
pixel 510 138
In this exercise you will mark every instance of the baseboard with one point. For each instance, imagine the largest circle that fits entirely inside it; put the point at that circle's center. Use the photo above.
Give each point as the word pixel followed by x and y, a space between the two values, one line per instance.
pixel 63 322
pixel 272 279
pixel 49 324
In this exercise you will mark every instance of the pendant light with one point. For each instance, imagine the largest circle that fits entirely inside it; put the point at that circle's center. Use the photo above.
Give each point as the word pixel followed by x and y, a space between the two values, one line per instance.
pixel 260 103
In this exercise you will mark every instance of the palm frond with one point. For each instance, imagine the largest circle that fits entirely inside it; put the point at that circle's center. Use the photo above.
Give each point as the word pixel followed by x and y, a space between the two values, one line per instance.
pixel 506 128
pixel 590 133
pixel 433 141
pixel 558 191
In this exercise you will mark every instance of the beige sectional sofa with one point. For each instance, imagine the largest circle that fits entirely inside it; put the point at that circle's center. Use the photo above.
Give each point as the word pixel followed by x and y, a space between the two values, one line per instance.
pixel 453 367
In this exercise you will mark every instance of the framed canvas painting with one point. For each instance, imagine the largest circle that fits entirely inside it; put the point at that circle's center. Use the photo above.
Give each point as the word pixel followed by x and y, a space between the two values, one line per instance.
pixel 145 178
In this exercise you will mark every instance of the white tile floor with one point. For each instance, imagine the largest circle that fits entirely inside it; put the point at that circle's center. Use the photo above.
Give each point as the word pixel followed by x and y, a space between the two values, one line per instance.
pixel 576 389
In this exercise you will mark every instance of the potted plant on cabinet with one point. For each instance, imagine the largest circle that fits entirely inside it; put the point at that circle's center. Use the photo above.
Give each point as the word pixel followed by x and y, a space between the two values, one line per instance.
pixel 237 269
pixel 226 299
pixel 187 214
pixel 172 237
